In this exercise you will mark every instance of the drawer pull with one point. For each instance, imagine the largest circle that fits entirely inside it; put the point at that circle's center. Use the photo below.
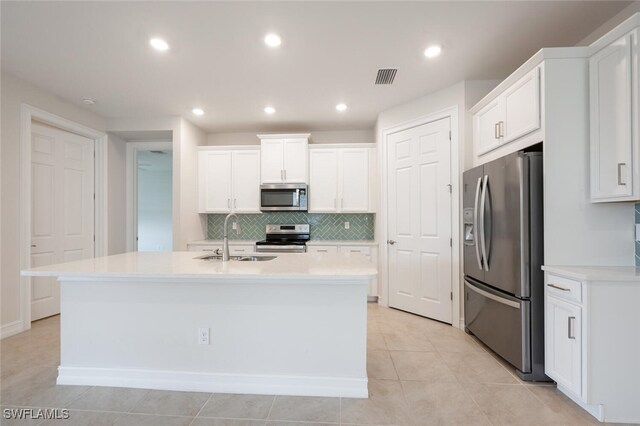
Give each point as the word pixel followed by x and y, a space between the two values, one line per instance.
pixel 558 287
pixel 571 330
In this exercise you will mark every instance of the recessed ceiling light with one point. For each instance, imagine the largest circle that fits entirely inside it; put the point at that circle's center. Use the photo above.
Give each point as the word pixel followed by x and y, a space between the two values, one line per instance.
pixel 88 101
pixel 159 44
pixel 269 110
pixel 433 51
pixel 198 111
pixel 272 40
pixel 341 107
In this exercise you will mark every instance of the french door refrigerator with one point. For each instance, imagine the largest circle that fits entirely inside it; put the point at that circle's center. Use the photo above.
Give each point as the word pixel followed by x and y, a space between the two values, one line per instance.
pixel 503 253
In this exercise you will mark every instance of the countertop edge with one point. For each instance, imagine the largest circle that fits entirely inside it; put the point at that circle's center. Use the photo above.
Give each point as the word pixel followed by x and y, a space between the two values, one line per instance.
pixel 596 273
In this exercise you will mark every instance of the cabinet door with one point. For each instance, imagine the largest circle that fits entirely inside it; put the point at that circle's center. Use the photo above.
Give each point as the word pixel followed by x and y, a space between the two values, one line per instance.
pixel 610 74
pixel 487 126
pixel 522 107
pixel 246 181
pixel 296 160
pixel 563 344
pixel 272 161
pixel 323 180
pixel 354 180
pixel 214 175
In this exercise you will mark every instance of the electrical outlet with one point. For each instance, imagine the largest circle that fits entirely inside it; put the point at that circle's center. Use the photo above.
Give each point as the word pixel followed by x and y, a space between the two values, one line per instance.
pixel 234 226
pixel 347 225
pixel 637 232
pixel 203 336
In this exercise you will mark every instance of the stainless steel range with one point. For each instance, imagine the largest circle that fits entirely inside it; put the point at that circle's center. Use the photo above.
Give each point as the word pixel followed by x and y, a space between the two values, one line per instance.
pixel 284 239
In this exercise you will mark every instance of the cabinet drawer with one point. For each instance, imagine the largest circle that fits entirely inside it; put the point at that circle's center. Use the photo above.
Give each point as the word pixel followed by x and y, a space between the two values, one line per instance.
pixel 322 249
pixel 564 288
pixel 242 249
pixel 356 249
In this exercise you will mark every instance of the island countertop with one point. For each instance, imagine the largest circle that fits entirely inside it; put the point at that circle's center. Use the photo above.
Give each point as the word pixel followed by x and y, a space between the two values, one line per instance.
pixel 175 265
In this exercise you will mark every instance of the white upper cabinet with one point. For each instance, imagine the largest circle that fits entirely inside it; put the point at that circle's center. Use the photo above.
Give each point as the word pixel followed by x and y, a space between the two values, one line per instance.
pixel 284 158
pixel 613 74
pixel 511 115
pixel 229 180
pixel 341 179
pixel 522 107
pixel 323 178
pixel 246 181
pixel 487 124
pixel 214 181
pixel 354 175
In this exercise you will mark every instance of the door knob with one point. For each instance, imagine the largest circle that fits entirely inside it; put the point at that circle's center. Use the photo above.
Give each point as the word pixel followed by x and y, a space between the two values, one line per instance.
pixel 33 246
pixel 391 242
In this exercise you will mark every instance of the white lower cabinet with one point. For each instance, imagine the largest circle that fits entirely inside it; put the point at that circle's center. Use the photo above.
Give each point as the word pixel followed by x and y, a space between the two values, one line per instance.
pixel 370 251
pixel 322 249
pixel 563 347
pixel 592 342
pixel 234 248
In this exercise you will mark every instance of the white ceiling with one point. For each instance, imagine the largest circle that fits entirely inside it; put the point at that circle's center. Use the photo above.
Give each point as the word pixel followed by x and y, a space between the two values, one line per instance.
pixel 330 53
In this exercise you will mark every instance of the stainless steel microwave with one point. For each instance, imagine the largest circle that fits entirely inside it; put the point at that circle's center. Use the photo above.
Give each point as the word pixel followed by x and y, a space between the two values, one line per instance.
pixel 281 197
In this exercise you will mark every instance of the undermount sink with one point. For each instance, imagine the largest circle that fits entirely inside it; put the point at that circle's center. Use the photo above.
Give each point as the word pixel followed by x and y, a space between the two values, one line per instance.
pixel 213 257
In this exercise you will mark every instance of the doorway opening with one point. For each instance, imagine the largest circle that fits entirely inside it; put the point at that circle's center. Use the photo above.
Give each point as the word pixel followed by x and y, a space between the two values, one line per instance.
pixel 154 201
pixel 149 196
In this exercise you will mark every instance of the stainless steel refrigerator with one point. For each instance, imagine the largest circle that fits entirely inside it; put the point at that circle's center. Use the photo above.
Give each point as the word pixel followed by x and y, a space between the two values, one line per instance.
pixel 503 253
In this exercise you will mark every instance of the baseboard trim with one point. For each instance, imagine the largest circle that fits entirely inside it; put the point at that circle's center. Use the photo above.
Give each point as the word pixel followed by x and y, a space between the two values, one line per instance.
pixel 215 382
pixel 10 329
pixel 596 410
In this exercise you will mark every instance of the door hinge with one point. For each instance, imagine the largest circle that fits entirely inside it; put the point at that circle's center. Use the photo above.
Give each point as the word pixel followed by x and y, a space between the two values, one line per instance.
pixel 94 238
pixel 450 242
pixel 450 188
pixel 451 295
pixel 449 134
pixel 94 196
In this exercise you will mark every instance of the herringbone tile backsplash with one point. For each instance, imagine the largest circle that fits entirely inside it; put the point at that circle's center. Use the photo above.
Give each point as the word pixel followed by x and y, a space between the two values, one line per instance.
pixel 323 226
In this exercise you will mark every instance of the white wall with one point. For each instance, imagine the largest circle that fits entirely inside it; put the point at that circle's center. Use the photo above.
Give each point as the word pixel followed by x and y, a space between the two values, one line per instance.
pixel 190 225
pixel 14 92
pixel 116 195
pixel 250 138
pixel 611 23
pixel 154 210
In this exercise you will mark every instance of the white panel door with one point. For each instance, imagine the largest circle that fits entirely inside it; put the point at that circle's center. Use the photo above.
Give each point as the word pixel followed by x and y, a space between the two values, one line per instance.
pixel 272 160
pixel 296 160
pixel 563 344
pixel 522 107
pixel 246 181
pixel 419 174
pixel 323 180
pixel 610 73
pixel 62 208
pixel 354 180
pixel 215 181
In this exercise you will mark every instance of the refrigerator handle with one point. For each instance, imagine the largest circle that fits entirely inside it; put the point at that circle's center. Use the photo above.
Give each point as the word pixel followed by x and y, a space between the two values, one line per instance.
pixel 483 237
pixel 476 224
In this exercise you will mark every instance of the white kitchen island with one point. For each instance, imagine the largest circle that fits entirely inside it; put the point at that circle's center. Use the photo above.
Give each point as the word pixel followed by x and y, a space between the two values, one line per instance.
pixel 295 325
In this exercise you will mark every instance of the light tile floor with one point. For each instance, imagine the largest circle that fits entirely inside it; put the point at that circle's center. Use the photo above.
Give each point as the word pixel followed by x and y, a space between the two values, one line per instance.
pixel 421 372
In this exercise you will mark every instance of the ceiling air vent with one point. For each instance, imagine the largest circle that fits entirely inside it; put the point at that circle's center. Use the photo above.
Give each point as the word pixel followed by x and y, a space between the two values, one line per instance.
pixel 158 152
pixel 386 76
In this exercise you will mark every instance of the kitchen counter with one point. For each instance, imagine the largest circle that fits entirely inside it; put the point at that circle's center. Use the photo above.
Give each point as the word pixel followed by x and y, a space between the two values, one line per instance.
pixel 171 265
pixel 596 273
pixel 295 325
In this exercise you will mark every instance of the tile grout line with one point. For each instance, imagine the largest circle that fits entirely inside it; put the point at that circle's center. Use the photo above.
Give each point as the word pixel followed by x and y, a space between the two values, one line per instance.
pixel 273 402
pixel 201 408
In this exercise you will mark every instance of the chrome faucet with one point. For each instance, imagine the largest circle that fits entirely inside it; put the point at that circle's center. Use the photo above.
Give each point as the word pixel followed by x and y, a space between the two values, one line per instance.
pixel 225 239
